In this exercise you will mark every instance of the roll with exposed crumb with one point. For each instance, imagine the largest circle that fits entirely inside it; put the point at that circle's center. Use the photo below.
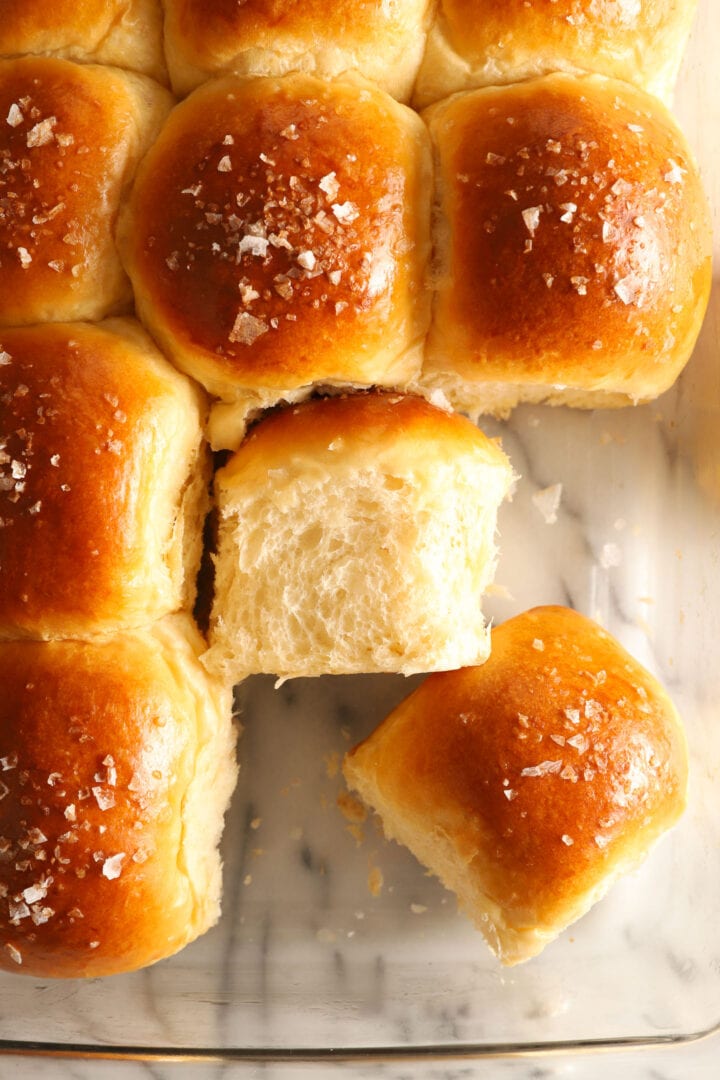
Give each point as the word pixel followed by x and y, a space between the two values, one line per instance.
pixel 356 534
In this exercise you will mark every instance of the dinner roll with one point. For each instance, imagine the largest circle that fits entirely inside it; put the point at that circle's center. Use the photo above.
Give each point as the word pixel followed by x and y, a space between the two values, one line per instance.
pixel 70 138
pixel 125 33
pixel 528 785
pixel 117 767
pixel 277 239
pixel 484 43
pixel 356 534
pixel 573 246
pixel 103 481
pixel 384 41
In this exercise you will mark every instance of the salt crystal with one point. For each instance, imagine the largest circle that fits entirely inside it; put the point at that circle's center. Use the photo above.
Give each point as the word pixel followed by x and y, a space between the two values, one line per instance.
pixel 329 185
pixel 676 173
pixel 42 132
pixel 34 893
pixel 254 245
pixel 626 290
pixel 345 212
pixel 105 799
pixel 247 329
pixel 14 116
pixel 531 217
pixel 112 867
pixel 543 769
pixel 307 260
pixel 13 953
pixel 579 742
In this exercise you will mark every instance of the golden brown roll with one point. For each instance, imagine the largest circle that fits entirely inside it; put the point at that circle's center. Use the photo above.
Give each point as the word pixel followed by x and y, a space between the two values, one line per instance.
pixel 117 767
pixel 356 534
pixel 125 33
pixel 383 41
pixel 277 239
pixel 70 138
pixel 485 43
pixel 103 481
pixel 528 785
pixel 573 246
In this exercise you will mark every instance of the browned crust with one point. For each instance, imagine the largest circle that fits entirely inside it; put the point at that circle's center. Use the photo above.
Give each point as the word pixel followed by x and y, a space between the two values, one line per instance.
pixel 278 233
pixel 578 246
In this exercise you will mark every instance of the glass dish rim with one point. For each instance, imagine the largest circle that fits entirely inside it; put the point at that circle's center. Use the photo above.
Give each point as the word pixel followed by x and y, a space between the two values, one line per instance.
pixel 437 1052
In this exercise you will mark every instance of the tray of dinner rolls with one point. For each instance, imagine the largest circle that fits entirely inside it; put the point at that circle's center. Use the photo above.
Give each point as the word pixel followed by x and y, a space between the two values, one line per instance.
pixel 359 516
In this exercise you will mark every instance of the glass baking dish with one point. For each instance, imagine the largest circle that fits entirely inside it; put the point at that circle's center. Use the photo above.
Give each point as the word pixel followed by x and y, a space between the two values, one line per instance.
pixel 335 943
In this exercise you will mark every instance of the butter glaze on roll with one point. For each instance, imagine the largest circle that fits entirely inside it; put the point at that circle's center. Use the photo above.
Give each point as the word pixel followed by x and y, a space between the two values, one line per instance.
pixel 476 43
pixel 277 239
pixel 356 534
pixel 573 242
pixel 103 481
pixel 530 784
pixel 70 138
pixel 117 767
pixel 124 33
pixel 383 41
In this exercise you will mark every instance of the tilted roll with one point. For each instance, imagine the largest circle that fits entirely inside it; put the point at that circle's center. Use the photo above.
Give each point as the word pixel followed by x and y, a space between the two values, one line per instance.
pixel 531 783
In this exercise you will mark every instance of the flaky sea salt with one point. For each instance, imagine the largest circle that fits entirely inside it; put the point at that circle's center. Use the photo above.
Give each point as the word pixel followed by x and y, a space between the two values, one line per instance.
pixel 112 867
pixel 543 769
